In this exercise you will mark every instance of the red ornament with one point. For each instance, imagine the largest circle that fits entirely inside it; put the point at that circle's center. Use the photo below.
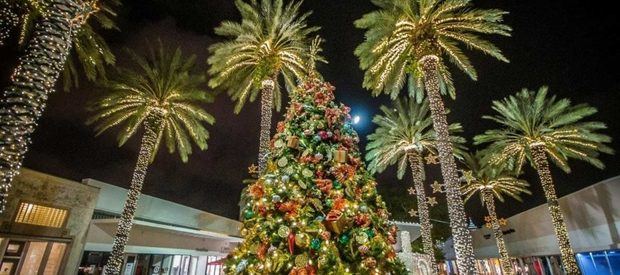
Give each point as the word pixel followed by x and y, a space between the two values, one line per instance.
pixel 362 220
pixel 257 190
pixel 291 242
pixel 281 126
pixel 325 185
pixel 262 250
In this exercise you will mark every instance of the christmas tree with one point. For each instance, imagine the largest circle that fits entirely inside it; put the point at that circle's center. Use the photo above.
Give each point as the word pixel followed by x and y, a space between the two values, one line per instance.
pixel 315 209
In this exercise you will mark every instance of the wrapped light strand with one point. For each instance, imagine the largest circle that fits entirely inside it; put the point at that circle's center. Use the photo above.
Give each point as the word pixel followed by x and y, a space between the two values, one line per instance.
pixel 557 218
pixel 266 100
pixel 417 168
pixel 463 246
pixel 489 201
pixel 23 101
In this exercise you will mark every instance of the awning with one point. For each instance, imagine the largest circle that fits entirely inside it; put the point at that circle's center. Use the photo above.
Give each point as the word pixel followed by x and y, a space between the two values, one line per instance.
pixel 153 238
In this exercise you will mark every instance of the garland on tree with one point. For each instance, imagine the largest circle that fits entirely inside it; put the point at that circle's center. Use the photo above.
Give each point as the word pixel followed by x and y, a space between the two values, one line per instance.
pixel 315 210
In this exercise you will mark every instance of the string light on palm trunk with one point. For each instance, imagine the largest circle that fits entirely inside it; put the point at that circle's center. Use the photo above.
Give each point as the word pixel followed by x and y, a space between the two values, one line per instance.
pixel 267 87
pixel 463 246
pixel 489 201
pixel 557 218
pixel 23 101
pixel 417 170
pixel 123 230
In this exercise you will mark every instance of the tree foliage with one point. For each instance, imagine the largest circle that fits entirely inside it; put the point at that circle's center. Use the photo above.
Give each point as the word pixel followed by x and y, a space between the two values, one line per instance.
pixel 535 118
pixel 163 80
pixel 403 31
pixel 272 40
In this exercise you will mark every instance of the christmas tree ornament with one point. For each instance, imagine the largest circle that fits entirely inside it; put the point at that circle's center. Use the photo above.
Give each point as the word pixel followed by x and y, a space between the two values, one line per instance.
pixel 292 142
pixel 340 156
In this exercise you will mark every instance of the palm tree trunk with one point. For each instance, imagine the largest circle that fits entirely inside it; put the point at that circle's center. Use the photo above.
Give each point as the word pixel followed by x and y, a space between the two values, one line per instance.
pixel 23 101
pixel 489 201
pixel 458 222
pixel 266 108
pixel 147 149
pixel 557 218
pixel 417 169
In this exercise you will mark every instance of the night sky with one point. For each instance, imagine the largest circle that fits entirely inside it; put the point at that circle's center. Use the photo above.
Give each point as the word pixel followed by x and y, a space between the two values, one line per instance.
pixel 571 46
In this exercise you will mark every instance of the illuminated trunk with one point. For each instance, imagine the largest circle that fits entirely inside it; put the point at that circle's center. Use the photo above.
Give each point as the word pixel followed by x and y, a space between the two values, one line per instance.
pixel 557 218
pixel 463 247
pixel 152 127
pixel 23 100
pixel 417 169
pixel 266 109
pixel 489 201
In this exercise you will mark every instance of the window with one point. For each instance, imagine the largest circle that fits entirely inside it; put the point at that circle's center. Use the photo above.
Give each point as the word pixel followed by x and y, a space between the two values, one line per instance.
pixel 30 213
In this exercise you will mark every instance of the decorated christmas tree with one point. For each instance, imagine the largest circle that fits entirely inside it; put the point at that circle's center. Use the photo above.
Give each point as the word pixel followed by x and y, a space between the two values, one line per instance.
pixel 315 209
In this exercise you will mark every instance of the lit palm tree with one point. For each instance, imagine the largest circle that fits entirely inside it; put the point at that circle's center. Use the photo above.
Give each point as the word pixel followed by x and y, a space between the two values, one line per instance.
pixel 409 39
pixel 90 51
pixel 164 96
pixel 493 183
pixel 23 101
pixel 272 40
pixel 535 126
pixel 404 134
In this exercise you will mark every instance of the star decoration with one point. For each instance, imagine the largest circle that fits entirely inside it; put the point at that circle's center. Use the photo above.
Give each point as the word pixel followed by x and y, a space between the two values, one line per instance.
pixel 488 225
pixel 487 218
pixel 432 201
pixel 413 213
pixel 468 176
pixel 253 169
pixel 436 187
pixel 431 159
pixel 411 191
pixel 503 222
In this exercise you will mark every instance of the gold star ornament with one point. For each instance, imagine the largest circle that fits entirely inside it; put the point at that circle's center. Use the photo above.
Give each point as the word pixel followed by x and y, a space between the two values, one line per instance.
pixel 468 176
pixel 413 213
pixel 431 159
pixel 411 191
pixel 253 169
pixel 432 201
pixel 503 222
pixel 437 187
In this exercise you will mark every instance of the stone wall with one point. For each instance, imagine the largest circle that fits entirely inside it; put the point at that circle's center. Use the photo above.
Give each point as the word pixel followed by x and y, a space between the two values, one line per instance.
pixel 80 199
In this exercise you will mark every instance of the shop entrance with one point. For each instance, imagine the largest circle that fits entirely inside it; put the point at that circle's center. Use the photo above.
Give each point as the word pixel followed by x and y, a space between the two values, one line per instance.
pixel 31 256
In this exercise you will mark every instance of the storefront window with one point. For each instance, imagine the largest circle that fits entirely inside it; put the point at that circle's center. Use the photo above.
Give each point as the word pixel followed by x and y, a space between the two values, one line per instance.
pixel 55 259
pixel 32 260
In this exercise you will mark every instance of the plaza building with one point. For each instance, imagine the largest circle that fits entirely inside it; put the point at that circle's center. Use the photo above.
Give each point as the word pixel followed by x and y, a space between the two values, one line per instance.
pixel 593 219
pixel 58 226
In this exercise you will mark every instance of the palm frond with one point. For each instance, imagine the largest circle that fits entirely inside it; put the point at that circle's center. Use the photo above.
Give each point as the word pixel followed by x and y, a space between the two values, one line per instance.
pixel 165 80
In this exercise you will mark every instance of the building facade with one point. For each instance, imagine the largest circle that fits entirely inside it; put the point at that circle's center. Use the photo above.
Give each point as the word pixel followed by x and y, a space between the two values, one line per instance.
pixel 167 238
pixel 44 227
pixel 593 219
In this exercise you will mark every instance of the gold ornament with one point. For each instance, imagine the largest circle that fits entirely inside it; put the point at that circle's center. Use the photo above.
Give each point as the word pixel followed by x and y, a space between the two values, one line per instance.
pixel 431 159
pixel 413 213
pixel 411 191
pixel 340 156
pixel 432 201
pixel 436 187
pixel 292 142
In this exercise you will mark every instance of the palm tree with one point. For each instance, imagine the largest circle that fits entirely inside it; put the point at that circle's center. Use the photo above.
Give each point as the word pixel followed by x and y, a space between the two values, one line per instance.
pixel 404 135
pixel 410 39
pixel 272 40
pixel 89 49
pixel 23 101
pixel 164 96
pixel 535 126
pixel 493 183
